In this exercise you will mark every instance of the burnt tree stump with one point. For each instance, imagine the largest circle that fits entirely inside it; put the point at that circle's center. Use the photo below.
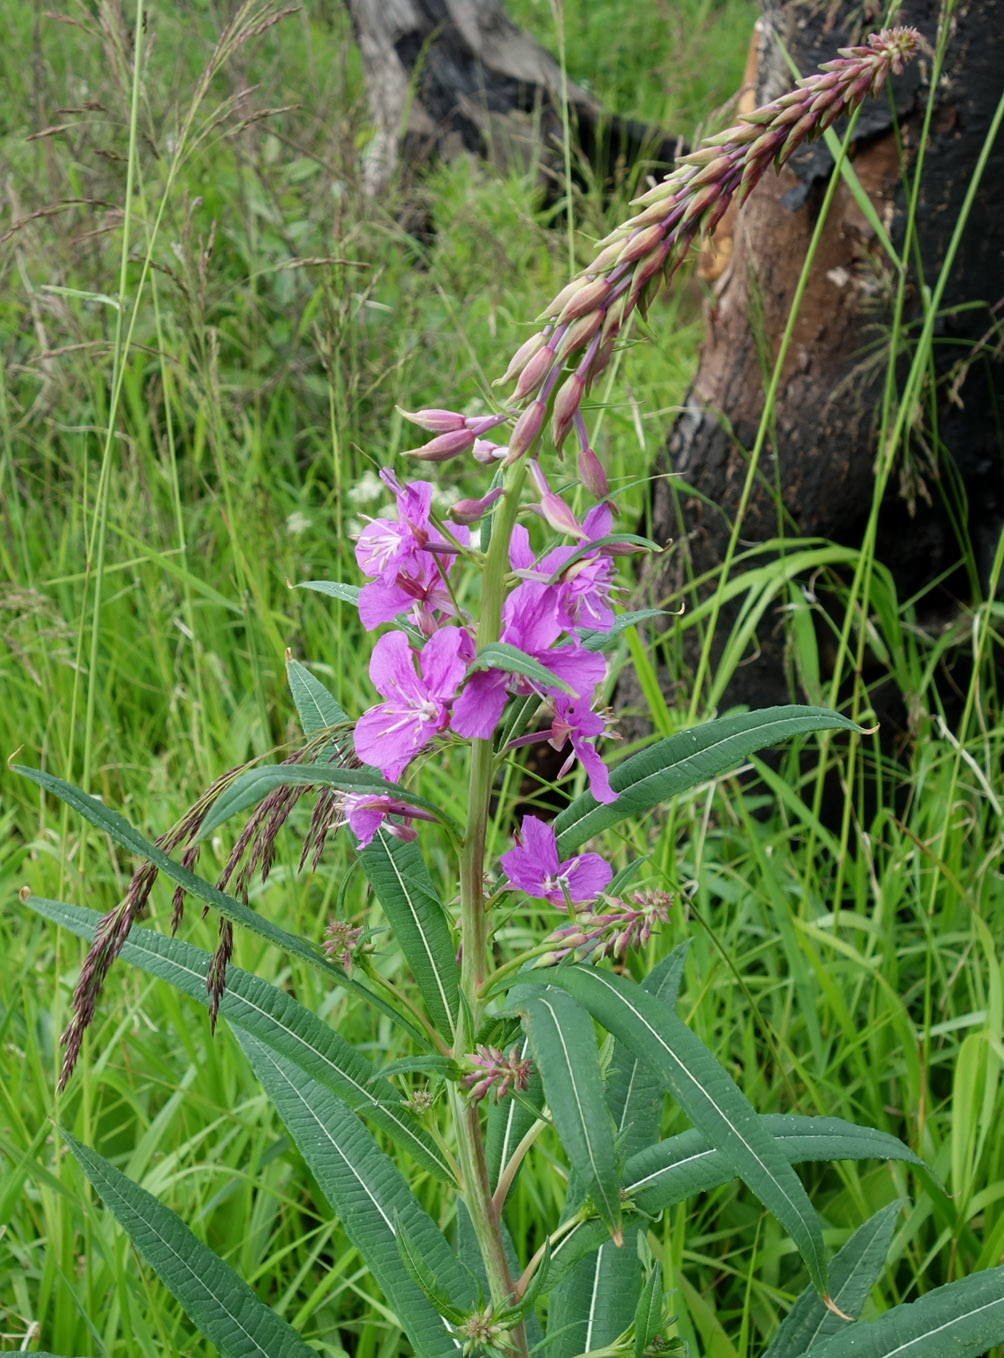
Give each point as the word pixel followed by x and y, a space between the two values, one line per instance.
pixel 822 449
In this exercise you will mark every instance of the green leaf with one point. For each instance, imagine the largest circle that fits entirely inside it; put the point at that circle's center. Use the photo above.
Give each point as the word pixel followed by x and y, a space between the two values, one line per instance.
pixel 648 1312
pixel 563 1043
pixel 251 787
pixel 581 1318
pixel 960 1320
pixel 368 1194
pixel 317 708
pixel 398 875
pixel 443 1066
pixel 683 761
pixel 217 1301
pixel 119 829
pixel 671 1171
pixel 275 1018
pixel 854 1270
pixel 708 1096
pixel 334 588
pixel 499 655
pixel 603 641
pixel 414 1261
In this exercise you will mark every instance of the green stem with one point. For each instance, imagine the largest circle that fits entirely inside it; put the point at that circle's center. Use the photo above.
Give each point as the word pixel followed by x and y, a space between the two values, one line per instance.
pixel 477 1189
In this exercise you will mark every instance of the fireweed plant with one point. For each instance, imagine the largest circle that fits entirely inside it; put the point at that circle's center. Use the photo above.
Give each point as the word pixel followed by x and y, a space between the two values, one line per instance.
pixel 499 615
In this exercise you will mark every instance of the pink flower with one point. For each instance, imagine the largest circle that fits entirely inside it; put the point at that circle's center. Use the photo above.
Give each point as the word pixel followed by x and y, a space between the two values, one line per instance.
pixel 577 723
pixel 385 545
pixel 533 867
pixel 389 735
pixel 365 814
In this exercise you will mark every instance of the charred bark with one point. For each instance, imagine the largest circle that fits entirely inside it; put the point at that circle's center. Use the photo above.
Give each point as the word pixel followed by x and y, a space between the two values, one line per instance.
pixel 822 448
pixel 445 77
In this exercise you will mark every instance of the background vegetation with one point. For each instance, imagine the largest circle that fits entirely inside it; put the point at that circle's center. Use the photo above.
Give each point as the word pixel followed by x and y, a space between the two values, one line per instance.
pixel 196 269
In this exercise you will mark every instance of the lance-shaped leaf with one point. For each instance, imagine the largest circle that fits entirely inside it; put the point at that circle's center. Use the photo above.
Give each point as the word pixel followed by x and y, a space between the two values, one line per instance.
pixel 216 1299
pixel 854 1271
pixel 368 1194
pixel 597 1302
pixel 603 641
pixel 499 655
pixel 397 873
pixel 960 1320
pixel 648 1312
pixel 673 1170
pixel 684 761
pixel 564 1049
pixel 275 1018
pixel 600 1287
pixel 707 1094
pixel 316 707
pixel 333 588
pixel 119 829
pixel 662 1175
pixel 249 788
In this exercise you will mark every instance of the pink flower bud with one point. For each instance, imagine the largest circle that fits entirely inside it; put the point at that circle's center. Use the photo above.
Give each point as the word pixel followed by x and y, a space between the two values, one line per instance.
pixel 485 452
pixel 435 421
pixel 522 357
pixel 563 298
pixel 534 373
pixel 469 511
pixel 580 332
pixel 560 517
pixel 527 431
pixel 592 475
pixel 594 294
pixel 566 403
pixel 442 448
pixel 646 239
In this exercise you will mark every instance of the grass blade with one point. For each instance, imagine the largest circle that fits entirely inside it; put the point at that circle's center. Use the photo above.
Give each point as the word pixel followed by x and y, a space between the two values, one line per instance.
pixel 219 1303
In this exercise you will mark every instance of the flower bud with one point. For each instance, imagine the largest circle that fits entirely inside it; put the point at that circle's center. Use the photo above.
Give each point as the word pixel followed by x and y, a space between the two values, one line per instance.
pixel 469 511
pixel 563 298
pixel 646 239
pixel 534 373
pixel 442 448
pixel 527 431
pixel 435 421
pixel 521 358
pixel 592 475
pixel 485 452
pixel 580 332
pixel 566 403
pixel 593 295
pixel 560 516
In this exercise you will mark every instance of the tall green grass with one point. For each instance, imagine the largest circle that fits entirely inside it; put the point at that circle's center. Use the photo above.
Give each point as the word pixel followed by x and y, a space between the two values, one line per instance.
pixel 205 331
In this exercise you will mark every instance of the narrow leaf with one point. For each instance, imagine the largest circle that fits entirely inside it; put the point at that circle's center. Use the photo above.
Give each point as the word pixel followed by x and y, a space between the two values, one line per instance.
pixel 119 829
pixel 249 788
pixel 333 588
pixel 603 641
pixel 217 1301
pixel 960 1320
pixel 854 1271
pixel 591 1316
pixel 563 1043
pixel 398 875
pixel 499 655
pixel 683 761
pixel 317 708
pixel 275 1018
pixel 707 1094
pixel 675 1169
pixel 648 1312
pixel 368 1194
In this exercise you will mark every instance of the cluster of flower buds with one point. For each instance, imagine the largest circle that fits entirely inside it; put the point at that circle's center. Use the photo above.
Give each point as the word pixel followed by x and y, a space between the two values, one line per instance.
pixel 612 933
pixel 493 1069
pixel 341 941
pixel 583 321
